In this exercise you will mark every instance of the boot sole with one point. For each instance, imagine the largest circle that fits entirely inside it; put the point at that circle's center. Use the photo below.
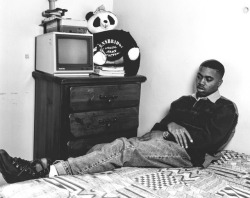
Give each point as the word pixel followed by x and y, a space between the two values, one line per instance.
pixel 7 177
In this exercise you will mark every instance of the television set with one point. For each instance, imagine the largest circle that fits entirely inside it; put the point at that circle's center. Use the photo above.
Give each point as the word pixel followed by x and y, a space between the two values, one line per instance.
pixel 64 54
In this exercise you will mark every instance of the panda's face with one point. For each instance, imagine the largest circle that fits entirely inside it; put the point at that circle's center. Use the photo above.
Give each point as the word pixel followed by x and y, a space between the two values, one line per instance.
pixel 102 21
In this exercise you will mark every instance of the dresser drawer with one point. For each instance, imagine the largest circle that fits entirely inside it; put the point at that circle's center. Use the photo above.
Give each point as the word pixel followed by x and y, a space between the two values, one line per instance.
pixel 84 98
pixel 73 113
pixel 99 122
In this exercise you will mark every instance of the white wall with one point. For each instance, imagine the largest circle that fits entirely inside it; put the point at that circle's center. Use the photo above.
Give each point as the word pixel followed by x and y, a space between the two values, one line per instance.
pixel 20 22
pixel 175 36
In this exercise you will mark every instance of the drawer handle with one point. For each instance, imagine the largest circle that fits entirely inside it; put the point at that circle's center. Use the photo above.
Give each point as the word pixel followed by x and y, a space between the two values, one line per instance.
pixel 109 99
pixel 79 120
pixel 107 122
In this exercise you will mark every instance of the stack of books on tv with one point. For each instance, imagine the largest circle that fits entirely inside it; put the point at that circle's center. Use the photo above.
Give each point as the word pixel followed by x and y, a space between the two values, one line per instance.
pixel 51 15
pixel 109 71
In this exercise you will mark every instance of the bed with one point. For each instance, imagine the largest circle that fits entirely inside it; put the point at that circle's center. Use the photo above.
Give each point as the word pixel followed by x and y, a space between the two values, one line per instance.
pixel 227 177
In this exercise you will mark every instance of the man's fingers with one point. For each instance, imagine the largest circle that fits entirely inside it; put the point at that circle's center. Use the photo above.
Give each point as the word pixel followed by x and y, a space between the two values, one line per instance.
pixel 181 134
pixel 181 137
pixel 145 137
pixel 189 136
pixel 178 139
pixel 184 139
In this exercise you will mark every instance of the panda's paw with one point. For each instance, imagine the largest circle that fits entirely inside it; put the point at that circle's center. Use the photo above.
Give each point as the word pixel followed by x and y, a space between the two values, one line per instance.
pixel 133 53
pixel 99 58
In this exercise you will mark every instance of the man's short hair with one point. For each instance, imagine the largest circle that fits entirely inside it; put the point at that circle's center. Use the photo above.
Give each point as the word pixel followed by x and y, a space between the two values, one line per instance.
pixel 214 64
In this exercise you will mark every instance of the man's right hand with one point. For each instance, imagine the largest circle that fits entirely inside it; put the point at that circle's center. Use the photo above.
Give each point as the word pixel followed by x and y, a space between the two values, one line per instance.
pixel 180 134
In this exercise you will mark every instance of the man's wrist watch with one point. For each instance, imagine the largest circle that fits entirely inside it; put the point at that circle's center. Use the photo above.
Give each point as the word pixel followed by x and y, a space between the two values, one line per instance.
pixel 165 135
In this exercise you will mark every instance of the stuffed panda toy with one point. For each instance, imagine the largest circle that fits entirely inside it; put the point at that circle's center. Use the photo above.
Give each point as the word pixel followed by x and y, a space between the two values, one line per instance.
pixel 112 47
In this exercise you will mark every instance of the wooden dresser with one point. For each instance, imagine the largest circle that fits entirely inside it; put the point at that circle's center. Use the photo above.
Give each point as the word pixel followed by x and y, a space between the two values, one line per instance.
pixel 73 114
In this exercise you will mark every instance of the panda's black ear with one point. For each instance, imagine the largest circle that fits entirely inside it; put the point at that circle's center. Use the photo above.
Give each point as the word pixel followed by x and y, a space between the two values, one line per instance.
pixel 111 20
pixel 88 15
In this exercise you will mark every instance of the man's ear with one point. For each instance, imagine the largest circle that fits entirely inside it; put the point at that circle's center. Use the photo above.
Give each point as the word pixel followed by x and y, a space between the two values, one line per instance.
pixel 220 82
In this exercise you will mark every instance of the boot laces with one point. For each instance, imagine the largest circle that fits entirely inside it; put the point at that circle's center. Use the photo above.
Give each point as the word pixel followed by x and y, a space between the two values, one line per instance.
pixel 25 166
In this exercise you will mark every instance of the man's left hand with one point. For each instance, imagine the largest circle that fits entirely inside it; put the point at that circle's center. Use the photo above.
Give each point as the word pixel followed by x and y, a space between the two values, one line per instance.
pixel 150 135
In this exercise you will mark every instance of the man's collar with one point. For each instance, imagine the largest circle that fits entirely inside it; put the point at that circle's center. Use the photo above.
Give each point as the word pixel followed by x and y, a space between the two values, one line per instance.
pixel 212 97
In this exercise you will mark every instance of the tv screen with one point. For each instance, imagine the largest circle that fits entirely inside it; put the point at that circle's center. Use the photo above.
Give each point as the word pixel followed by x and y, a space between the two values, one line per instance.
pixel 72 51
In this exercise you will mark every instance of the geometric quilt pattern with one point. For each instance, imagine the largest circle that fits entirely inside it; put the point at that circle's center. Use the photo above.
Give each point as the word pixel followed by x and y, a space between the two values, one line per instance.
pixel 227 177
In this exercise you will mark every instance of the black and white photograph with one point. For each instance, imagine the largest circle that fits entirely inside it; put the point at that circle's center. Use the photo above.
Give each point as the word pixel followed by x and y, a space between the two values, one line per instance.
pixel 124 99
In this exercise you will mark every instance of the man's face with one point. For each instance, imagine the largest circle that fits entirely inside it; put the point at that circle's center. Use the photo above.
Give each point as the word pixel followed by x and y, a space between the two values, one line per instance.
pixel 207 81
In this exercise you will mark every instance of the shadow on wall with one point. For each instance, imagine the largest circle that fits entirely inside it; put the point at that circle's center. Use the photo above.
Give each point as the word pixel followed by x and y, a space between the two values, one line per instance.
pixel 2 181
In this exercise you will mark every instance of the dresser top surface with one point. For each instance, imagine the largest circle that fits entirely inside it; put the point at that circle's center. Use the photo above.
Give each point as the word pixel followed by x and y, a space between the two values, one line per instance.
pixel 88 79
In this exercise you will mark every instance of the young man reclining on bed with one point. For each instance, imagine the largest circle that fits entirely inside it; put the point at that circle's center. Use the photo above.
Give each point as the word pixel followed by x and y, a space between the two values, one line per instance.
pixel 195 125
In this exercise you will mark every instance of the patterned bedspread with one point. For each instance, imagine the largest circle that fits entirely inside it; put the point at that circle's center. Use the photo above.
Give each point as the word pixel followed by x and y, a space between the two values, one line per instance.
pixel 227 177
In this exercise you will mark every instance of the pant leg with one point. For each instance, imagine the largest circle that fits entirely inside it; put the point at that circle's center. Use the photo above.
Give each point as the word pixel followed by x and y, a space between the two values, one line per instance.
pixel 156 152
